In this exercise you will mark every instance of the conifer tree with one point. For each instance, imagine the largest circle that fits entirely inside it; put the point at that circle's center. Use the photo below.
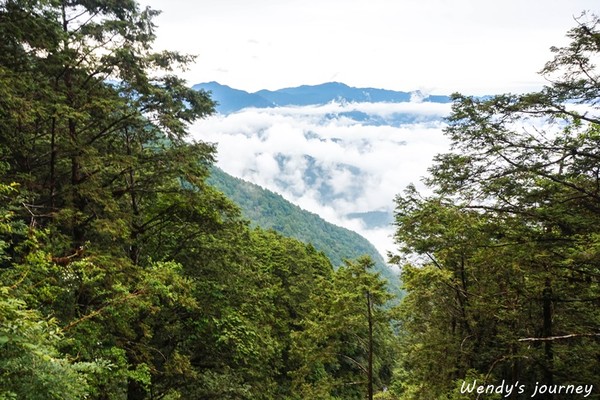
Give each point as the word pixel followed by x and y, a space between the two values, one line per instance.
pixel 508 239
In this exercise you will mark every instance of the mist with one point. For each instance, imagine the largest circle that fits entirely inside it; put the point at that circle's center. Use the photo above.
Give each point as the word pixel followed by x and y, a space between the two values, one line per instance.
pixel 335 159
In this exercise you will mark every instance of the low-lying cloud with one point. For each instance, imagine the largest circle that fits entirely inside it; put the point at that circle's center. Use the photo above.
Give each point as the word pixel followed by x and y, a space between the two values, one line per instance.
pixel 333 159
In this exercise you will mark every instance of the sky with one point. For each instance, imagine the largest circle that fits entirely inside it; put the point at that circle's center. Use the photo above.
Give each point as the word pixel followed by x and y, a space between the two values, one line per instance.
pixel 437 46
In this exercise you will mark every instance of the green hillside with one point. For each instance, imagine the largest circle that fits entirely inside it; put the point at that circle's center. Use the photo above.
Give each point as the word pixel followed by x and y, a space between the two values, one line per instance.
pixel 271 211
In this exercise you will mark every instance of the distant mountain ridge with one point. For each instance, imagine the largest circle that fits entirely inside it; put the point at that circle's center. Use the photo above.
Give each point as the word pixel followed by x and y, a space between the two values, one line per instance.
pixel 231 100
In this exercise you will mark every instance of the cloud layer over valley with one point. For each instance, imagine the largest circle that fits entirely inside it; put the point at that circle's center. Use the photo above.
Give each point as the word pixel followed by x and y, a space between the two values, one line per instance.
pixel 339 160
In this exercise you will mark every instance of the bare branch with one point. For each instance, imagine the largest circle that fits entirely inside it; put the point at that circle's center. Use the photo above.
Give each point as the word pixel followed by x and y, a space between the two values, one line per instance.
pixel 552 338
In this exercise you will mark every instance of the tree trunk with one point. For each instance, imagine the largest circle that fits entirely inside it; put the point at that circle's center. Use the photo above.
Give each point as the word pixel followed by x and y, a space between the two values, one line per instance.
pixel 53 153
pixel 134 248
pixel 547 332
pixel 370 355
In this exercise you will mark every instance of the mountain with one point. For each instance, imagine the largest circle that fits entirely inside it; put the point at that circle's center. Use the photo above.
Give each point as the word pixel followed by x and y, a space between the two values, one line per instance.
pixel 231 100
pixel 332 91
pixel 271 211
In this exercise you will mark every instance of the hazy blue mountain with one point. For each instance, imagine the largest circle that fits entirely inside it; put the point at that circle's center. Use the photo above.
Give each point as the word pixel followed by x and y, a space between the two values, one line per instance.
pixel 271 211
pixel 332 91
pixel 231 100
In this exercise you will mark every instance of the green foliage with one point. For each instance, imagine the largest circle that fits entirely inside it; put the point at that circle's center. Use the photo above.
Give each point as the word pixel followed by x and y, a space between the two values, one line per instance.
pixel 271 211
pixel 335 346
pixel 505 287
pixel 123 273
pixel 30 365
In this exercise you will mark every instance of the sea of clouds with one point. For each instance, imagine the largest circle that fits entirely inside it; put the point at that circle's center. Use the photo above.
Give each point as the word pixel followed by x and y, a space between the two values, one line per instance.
pixel 335 159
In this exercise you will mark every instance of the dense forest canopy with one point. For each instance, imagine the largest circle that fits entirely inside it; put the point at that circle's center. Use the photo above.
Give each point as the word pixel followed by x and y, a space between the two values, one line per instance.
pixel 125 275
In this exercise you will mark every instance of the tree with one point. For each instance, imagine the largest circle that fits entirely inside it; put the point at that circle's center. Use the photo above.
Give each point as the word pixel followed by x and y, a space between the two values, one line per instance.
pixel 84 110
pixel 344 351
pixel 93 130
pixel 126 272
pixel 510 235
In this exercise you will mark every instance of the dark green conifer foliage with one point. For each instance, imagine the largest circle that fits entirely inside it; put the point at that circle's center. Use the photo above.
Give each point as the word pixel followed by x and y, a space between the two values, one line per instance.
pixel 509 285
pixel 123 274
pixel 344 349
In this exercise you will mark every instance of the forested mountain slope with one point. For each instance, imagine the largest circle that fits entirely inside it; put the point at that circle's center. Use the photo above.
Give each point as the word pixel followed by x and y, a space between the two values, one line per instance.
pixel 271 211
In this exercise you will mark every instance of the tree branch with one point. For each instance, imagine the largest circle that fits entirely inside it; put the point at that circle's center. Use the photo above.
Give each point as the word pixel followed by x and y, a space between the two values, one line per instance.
pixel 552 338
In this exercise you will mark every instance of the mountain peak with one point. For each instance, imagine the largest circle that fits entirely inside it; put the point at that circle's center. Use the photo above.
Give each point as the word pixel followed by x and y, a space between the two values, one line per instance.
pixel 230 100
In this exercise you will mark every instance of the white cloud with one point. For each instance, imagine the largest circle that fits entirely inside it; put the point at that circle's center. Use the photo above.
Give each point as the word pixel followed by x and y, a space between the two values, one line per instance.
pixel 297 151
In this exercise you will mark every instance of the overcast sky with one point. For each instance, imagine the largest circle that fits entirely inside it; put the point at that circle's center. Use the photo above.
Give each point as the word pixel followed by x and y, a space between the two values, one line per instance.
pixel 441 46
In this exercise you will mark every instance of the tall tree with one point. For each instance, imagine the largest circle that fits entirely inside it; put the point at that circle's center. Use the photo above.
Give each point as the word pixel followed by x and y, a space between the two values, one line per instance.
pixel 510 235
pixel 84 108
pixel 344 351
pixel 93 130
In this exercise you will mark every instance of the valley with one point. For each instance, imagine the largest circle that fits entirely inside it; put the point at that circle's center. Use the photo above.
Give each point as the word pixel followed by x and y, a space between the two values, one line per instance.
pixel 337 151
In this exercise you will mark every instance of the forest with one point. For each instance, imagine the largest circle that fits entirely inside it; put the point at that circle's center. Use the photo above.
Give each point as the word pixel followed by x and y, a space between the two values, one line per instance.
pixel 124 274
pixel 270 210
